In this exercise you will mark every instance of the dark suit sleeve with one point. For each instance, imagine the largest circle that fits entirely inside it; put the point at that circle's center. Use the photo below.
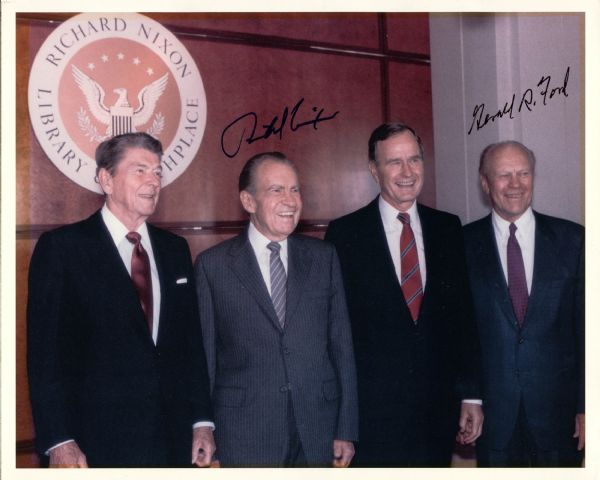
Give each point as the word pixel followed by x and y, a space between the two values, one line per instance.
pixel 48 316
pixel 469 351
pixel 205 306
pixel 342 355
pixel 579 317
pixel 199 392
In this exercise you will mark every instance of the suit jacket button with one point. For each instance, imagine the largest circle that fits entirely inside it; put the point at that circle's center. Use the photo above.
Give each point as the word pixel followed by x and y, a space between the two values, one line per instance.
pixel 283 389
pixel 521 340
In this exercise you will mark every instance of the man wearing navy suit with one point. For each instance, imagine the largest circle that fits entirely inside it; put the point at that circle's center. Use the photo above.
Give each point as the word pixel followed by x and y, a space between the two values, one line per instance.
pixel 117 373
pixel 414 336
pixel 276 333
pixel 527 278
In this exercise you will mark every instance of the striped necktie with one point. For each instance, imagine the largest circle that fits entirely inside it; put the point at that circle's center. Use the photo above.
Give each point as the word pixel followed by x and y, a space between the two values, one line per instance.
pixel 278 282
pixel 412 288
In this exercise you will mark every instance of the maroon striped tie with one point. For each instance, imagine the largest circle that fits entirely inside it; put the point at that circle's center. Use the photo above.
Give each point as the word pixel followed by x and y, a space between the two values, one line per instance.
pixel 412 288
pixel 141 276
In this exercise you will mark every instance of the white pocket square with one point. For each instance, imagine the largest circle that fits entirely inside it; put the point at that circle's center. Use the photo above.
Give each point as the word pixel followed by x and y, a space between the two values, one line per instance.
pixel 179 281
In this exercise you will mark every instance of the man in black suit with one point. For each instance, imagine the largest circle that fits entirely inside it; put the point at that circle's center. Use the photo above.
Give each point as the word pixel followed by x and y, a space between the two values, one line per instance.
pixel 117 372
pixel 527 277
pixel 414 337
pixel 276 333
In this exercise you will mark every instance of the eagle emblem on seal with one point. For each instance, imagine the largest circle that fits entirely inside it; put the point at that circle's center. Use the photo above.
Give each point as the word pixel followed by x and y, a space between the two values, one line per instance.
pixel 121 117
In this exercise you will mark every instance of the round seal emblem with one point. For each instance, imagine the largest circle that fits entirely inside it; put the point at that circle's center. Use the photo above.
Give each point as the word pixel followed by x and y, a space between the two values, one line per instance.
pixel 100 75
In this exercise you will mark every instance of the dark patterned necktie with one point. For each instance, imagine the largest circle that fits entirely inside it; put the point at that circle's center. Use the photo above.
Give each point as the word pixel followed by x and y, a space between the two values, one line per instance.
pixel 141 276
pixel 517 283
pixel 412 288
pixel 278 282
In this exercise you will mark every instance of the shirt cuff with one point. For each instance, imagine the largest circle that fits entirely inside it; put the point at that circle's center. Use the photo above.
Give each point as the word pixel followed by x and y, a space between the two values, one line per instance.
pixel 47 452
pixel 476 401
pixel 204 424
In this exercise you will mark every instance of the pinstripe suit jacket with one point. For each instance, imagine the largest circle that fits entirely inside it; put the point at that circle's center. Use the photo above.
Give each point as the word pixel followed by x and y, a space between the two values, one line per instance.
pixel 253 362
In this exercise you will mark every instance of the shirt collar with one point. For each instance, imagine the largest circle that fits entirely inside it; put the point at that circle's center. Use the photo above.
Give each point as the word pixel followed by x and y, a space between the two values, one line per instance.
pixel 259 242
pixel 525 223
pixel 389 215
pixel 117 230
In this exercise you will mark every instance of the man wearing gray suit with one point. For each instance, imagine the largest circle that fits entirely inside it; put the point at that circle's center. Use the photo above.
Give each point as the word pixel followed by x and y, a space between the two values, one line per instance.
pixel 277 334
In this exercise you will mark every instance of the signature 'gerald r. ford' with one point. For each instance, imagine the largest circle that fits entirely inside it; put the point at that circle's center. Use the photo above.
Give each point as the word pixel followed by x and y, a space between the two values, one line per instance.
pixel 528 100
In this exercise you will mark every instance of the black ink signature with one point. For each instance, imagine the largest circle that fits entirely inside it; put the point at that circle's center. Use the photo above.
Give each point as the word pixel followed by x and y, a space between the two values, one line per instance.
pixel 248 123
pixel 528 100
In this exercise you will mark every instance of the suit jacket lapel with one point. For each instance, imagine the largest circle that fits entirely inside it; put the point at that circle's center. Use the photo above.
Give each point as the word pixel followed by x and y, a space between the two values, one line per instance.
pixel 429 233
pixel 245 266
pixel 379 263
pixel 544 269
pixel 299 263
pixel 378 249
pixel 113 273
pixel 159 259
pixel 489 260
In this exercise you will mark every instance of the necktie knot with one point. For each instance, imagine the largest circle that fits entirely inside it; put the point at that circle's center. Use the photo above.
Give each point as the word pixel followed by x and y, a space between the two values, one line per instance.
pixel 404 218
pixel 512 228
pixel 134 237
pixel 274 247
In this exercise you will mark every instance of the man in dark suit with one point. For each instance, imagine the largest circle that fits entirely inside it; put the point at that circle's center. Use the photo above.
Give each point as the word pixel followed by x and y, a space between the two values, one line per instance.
pixel 527 277
pixel 276 333
pixel 117 372
pixel 414 336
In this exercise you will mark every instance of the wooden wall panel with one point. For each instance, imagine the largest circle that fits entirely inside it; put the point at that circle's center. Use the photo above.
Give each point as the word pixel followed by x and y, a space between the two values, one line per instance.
pixel 358 29
pixel 408 32
pixel 24 424
pixel 258 63
pixel 331 160
pixel 410 102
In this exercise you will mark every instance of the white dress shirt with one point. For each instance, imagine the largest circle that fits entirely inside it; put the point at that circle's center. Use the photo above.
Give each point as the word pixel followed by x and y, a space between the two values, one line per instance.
pixel 393 230
pixel 263 255
pixel 525 236
pixel 118 231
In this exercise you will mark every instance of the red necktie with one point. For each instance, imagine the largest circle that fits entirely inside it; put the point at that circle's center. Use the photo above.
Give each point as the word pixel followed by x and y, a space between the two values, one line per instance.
pixel 412 288
pixel 141 276
pixel 517 283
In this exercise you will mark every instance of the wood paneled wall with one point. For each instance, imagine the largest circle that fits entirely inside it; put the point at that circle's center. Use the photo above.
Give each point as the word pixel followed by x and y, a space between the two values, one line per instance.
pixel 369 67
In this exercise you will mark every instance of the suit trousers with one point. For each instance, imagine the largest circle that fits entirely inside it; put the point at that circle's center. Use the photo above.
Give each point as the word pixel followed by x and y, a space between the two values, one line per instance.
pixel 522 450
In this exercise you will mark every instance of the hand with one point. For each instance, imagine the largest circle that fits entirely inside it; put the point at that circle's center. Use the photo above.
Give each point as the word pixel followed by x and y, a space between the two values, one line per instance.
pixel 203 447
pixel 470 423
pixel 343 451
pixel 67 455
pixel 580 430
